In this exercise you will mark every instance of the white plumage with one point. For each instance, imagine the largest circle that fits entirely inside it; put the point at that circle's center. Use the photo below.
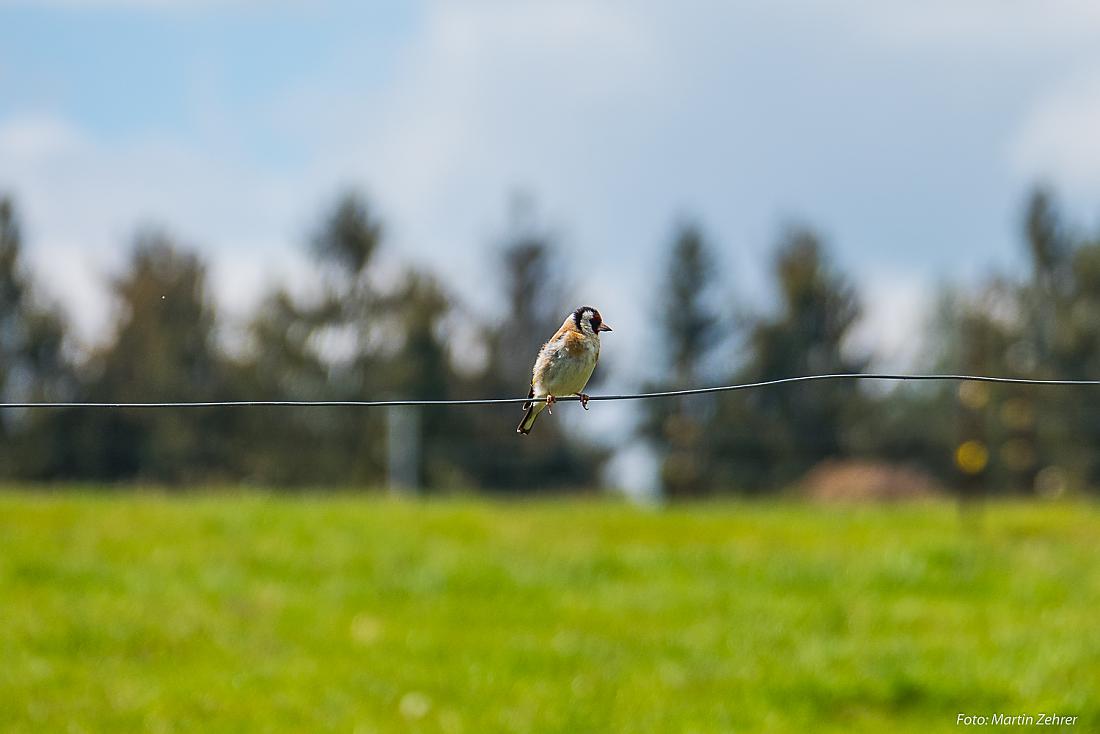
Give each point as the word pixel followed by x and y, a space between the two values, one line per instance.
pixel 565 363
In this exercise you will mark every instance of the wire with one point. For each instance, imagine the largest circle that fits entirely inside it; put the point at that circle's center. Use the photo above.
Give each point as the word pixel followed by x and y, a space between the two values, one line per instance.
pixel 564 398
pixel 845 376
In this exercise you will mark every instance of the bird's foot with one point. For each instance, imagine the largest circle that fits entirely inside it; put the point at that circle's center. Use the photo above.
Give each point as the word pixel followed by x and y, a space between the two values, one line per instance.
pixel 584 400
pixel 550 399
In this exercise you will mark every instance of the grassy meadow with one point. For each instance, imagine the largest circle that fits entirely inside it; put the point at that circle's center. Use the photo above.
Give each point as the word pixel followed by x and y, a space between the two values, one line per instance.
pixel 239 612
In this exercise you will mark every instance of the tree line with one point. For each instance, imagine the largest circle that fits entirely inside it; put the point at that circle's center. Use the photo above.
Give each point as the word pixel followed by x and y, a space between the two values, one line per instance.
pixel 361 336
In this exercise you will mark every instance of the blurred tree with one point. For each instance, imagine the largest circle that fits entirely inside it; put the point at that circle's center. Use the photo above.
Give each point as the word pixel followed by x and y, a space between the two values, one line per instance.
pixel 356 339
pixel 688 330
pixel 349 238
pixel 976 334
pixel 327 345
pixel 1031 324
pixel 1069 427
pixel 1045 325
pixel 533 308
pixel 420 368
pixel 1059 315
pixel 689 324
pixel 361 335
pixel 768 438
pixel 916 424
pixel 33 366
pixel 163 349
pixel 532 278
pixel 282 363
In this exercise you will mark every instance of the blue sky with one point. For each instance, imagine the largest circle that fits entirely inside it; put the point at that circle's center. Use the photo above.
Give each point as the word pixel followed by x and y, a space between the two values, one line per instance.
pixel 907 133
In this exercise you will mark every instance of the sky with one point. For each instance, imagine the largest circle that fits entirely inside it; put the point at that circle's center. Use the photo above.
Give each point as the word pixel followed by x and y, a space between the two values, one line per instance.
pixel 907 133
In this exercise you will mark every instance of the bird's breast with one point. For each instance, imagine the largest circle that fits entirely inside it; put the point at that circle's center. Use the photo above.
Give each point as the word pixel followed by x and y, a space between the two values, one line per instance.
pixel 568 365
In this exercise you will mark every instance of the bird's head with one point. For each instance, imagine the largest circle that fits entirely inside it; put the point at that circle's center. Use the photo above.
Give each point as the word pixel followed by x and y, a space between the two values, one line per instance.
pixel 588 321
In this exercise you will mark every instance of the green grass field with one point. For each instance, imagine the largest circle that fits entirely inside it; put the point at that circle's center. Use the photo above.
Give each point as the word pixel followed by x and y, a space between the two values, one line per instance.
pixel 128 612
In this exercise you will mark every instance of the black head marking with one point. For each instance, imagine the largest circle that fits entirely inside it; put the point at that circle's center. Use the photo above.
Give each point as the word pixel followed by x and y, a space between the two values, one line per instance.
pixel 594 318
pixel 579 313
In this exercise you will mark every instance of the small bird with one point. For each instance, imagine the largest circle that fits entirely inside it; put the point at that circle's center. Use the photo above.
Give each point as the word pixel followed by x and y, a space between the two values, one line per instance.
pixel 565 363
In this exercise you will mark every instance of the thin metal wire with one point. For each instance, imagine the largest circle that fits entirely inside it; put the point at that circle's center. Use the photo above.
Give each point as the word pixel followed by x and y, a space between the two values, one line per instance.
pixel 564 398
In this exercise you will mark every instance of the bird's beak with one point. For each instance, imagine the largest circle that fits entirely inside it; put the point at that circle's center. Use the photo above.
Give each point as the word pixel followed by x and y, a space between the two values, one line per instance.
pixel 605 327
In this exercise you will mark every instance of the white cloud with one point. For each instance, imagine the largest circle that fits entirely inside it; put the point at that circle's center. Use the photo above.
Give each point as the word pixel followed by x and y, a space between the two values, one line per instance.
pixel 37 139
pixel 614 115
pixel 488 99
pixel 1010 25
pixel 83 199
pixel 131 4
pixel 1058 140
pixel 893 328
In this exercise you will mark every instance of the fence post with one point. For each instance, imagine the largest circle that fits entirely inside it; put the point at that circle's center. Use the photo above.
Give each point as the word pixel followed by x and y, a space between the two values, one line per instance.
pixel 403 449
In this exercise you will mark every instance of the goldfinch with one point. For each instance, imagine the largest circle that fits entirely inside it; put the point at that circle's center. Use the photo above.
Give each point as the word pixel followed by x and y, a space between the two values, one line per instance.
pixel 565 363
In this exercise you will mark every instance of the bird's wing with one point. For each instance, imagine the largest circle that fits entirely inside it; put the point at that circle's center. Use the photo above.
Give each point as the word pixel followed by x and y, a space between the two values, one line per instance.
pixel 547 356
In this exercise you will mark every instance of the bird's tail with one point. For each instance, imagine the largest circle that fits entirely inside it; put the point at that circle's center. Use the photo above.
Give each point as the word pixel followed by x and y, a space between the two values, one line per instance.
pixel 533 410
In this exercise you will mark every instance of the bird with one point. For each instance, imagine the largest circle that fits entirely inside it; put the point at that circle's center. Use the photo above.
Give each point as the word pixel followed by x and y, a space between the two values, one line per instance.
pixel 565 363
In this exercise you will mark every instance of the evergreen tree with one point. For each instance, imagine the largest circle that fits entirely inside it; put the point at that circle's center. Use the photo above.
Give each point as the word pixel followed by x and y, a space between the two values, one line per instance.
pixel 533 308
pixel 1059 314
pixel 420 368
pixel 688 328
pixel 163 349
pixel 1042 326
pixel 768 438
pixel 33 366
pixel 349 238
pixel 327 346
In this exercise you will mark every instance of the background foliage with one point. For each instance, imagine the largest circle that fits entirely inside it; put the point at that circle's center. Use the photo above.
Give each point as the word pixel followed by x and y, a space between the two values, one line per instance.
pixel 366 331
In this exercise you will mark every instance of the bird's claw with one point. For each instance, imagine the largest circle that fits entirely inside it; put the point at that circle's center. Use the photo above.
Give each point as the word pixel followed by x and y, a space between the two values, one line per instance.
pixel 584 400
pixel 550 404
